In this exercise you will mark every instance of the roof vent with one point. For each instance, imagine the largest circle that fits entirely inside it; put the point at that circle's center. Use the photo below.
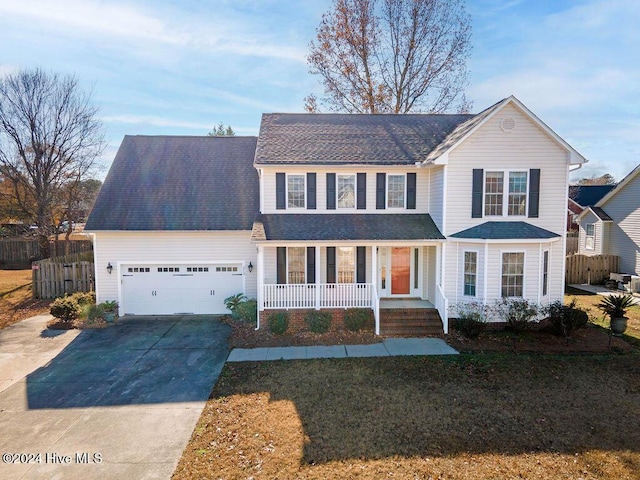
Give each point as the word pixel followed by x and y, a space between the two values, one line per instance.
pixel 508 124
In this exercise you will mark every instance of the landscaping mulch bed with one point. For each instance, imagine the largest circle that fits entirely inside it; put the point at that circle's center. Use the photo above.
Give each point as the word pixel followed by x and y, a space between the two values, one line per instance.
pixel 57 324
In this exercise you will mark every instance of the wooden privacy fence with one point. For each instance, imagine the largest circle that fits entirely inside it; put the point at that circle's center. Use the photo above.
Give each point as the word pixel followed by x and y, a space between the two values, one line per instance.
pixel 20 252
pixel 54 277
pixel 591 269
pixel 572 244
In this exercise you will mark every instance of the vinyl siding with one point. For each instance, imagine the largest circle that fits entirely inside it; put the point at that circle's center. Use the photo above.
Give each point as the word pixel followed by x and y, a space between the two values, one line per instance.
pixel 436 194
pixel 599 247
pixel 524 148
pixel 118 247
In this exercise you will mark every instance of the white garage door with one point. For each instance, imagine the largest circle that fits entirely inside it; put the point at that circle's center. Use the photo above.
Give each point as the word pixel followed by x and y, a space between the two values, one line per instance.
pixel 163 289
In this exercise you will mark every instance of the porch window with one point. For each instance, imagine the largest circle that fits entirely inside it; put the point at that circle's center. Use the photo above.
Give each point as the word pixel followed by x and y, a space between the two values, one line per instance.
pixel 346 191
pixel 295 191
pixel 512 274
pixel 545 272
pixel 346 264
pixel 395 191
pixel 493 192
pixel 296 262
pixel 590 235
pixel 470 270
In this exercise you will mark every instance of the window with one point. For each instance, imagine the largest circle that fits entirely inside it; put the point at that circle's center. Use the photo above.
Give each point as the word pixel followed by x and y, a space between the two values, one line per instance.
pixel 296 257
pixel 493 190
pixel 590 235
pixel 516 188
pixel 346 262
pixel 395 191
pixel 545 272
pixel 517 193
pixel 295 191
pixel 346 191
pixel 470 269
pixel 512 274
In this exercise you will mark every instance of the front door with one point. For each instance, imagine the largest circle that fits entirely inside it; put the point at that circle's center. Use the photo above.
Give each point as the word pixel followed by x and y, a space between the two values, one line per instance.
pixel 400 270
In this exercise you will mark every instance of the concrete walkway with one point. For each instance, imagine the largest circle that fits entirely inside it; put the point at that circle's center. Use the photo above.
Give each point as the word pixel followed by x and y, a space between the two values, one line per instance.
pixel 389 347
pixel 601 290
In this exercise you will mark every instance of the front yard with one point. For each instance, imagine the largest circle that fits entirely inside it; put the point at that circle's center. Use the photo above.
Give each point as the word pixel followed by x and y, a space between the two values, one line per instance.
pixel 15 297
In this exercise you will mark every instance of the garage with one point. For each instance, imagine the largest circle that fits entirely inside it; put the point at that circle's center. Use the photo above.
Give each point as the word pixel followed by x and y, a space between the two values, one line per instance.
pixel 169 289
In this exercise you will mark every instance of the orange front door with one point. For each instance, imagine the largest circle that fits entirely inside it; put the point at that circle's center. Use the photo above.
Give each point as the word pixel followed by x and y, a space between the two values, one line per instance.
pixel 400 270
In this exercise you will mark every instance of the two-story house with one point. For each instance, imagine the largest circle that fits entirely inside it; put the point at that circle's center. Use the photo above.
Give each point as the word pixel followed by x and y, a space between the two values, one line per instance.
pixel 391 213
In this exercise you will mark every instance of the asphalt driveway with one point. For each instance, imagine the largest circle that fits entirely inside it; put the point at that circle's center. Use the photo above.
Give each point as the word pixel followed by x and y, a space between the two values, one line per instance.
pixel 119 402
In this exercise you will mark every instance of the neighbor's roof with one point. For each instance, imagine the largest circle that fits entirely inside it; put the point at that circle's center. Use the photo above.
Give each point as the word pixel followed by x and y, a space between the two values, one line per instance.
pixel 505 231
pixel 346 139
pixel 587 195
pixel 179 183
pixel 303 227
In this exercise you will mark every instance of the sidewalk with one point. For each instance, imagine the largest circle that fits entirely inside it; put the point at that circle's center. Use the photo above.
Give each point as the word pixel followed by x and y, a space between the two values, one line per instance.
pixel 389 347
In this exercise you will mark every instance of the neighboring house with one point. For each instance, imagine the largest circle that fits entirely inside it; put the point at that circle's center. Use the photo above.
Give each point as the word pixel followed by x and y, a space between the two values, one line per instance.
pixel 612 225
pixel 384 212
pixel 581 197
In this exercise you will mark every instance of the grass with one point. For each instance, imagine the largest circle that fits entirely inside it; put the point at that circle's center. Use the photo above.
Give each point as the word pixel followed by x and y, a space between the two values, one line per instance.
pixel 16 302
pixel 465 417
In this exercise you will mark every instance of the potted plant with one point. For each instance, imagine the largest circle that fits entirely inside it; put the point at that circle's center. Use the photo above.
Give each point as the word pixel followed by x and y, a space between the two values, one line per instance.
pixel 615 307
pixel 110 309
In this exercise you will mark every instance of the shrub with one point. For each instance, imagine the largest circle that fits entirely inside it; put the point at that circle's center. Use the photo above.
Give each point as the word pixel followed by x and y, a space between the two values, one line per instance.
pixel 471 319
pixel 85 298
pixel 233 301
pixel 566 318
pixel 518 313
pixel 278 322
pixel 65 308
pixel 319 322
pixel 355 319
pixel 109 306
pixel 247 311
pixel 95 313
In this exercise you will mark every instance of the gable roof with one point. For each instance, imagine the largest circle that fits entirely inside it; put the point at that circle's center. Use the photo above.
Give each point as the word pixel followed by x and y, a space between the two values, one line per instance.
pixel 464 130
pixel 588 195
pixel 621 184
pixel 349 226
pixel 179 183
pixel 351 139
pixel 505 231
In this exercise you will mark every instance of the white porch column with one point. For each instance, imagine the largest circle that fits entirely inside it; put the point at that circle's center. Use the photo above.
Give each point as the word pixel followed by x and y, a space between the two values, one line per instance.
pixel 318 278
pixel 374 281
pixel 260 283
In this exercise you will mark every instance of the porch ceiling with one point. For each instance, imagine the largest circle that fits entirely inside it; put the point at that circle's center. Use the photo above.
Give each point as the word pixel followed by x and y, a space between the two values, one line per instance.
pixel 304 227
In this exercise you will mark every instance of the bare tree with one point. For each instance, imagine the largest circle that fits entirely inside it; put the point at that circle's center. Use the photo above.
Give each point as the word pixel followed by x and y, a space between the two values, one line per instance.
pixel 606 179
pixel 392 56
pixel 49 136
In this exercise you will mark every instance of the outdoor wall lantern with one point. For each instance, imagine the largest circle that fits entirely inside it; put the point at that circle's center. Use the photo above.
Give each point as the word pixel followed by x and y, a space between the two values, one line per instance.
pixel 250 267
pixel 109 268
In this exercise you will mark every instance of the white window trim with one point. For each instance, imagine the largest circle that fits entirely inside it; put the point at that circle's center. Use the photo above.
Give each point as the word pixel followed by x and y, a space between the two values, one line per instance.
pixel 404 193
pixel 524 271
pixel 587 237
pixel 355 191
pixel 304 191
pixel 464 252
pixel 505 191
pixel 542 287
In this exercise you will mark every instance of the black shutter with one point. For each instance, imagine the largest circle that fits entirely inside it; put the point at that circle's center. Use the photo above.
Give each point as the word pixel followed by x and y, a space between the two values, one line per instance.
pixel 534 192
pixel 282 265
pixel 311 264
pixel 381 180
pixel 311 191
pixel 331 191
pixel 361 264
pixel 476 199
pixel 281 203
pixel 362 191
pixel 411 191
pixel 331 264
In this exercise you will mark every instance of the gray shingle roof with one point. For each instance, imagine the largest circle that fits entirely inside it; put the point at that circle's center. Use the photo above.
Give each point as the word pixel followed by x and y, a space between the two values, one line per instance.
pixel 179 183
pixel 601 214
pixel 343 139
pixel 505 231
pixel 345 227
pixel 587 195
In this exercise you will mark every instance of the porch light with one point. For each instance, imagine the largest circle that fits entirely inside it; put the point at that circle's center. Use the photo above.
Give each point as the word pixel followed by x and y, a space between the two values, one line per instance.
pixel 109 268
pixel 250 267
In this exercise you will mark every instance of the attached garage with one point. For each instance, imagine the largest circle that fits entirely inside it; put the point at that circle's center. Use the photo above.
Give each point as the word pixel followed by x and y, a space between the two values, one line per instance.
pixel 168 289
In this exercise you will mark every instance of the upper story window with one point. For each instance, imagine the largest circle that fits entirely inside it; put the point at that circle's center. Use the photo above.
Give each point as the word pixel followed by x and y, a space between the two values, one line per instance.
pixel 295 191
pixel 496 203
pixel 590 236
pixel 346 191
pixel 395 191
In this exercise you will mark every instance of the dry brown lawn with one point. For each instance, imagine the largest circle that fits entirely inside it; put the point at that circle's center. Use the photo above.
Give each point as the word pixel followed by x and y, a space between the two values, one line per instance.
pixel 15 297
pixel 483 416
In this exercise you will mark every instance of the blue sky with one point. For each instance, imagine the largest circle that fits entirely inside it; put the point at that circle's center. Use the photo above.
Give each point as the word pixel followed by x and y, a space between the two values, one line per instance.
pixel 179 67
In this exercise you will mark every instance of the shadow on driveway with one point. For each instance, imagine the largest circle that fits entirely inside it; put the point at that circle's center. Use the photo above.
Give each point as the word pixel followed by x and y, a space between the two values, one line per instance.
pixel 139 360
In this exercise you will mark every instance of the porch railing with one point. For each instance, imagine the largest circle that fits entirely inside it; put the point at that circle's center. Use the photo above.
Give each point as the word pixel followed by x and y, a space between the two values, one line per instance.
pixel 442 305
pixel 321 295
